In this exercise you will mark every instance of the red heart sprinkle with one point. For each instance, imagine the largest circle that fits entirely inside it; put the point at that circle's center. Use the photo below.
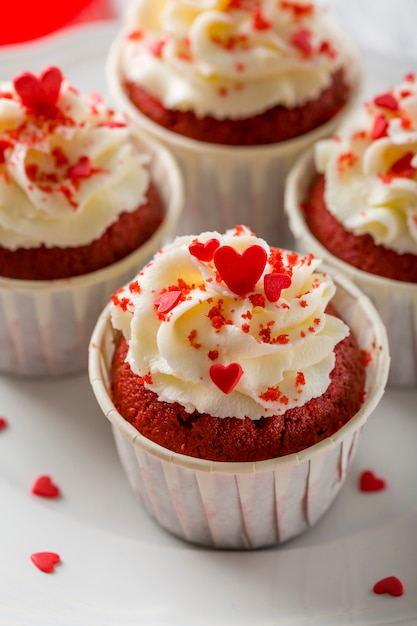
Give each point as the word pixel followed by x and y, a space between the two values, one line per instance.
pixel 302 40
pixel 380 128
pixel 391 585
pixel 3 423
pixel 204 251
pixel 240 272
pixel 368 481
pixel 39 94
pixel 45 561
pixel 167 300
pixel 274 284
pixel 403 167
pixel 226 377
pixel 43 486
pixel 386 101
pixel 81 169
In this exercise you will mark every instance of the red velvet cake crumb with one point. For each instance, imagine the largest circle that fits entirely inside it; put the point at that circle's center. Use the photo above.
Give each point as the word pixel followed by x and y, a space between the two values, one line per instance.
pixel 120 239
pixel 275 125
pixel 232 439
pixel 357 250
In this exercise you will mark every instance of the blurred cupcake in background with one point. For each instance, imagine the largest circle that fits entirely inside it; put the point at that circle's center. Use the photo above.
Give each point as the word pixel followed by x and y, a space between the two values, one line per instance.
pixel 236 89
pixel 83 204
pixel 354 202
pixel 237 378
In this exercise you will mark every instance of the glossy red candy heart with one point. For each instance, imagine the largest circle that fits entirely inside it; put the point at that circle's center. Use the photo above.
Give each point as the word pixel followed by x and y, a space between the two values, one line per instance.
pixel 226 377
pixel 40 94
pixel 43 486
pixel 167 300
pixel 204 251
pixel 274 284
pixel 391 585
pixel 368 481
pixel 240 272
pixel 45 561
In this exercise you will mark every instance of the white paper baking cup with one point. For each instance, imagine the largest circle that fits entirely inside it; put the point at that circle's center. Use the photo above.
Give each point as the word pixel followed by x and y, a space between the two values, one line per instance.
pixel 45 326
pixel 243 505
pixel 395 301
pixel 229 185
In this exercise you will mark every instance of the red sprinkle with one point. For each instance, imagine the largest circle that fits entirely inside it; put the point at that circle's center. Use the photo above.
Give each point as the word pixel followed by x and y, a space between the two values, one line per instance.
pixel 166 301
pixel 386 101
pixel 45 561
pixel 369 482
pixel 43 486
pixel 274 284
pixel 403 167
pixel 380 128
pixel 240 272
pixel 391 585
pixel 226 377
pixel 40 94
pixel 81 169
pixel 301 39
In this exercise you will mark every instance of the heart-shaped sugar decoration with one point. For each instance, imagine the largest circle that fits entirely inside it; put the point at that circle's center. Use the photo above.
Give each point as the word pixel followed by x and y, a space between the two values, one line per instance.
pixel 386 101
pixel 368 481
pixel 226 377
pixel 391 585
pixel 43 486
pixel 167 301
pixel 45 561
pixel 204 251
pixel 39 94
pixel 240 272
pixel 81 169
pixel 274 284
pixel 380 127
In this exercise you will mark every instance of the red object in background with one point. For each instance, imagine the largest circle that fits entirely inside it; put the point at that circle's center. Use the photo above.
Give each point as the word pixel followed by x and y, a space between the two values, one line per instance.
pixel 24 20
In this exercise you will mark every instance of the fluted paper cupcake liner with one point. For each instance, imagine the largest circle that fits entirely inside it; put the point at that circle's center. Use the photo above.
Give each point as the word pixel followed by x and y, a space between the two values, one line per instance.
pixel 395 301
pixel 253 504
pixel 229 185
pixel 45 326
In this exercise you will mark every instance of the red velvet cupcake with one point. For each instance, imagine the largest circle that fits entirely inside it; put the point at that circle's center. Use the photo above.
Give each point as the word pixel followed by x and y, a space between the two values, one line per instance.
pixel 236 90
pixel 354 203
pixel 232 358
pixel 81 206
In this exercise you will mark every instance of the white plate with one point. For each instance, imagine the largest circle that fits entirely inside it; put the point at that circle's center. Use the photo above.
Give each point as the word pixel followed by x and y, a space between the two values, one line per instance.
pixel 118 568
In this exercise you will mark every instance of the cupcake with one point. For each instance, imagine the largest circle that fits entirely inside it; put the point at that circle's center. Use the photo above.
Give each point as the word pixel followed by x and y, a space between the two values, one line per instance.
pixel 237 378
pixel 236 90
pixel 353 202
pixel 83 205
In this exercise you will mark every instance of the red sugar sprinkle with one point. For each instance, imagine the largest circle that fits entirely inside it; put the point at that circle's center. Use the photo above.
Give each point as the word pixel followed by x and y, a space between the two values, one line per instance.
pixel 156 47
pixel 45 561
pixel 259 22
pixel 44 486
pixel 81 169
pixel 3 423
pixel 403 167
pixel 213 355
pixel 386 101
pixel 368 482
pixel 4 144
pixel 380 128
pixel 298 9
pixel 226 377
pixel 390 585
pixel 301 39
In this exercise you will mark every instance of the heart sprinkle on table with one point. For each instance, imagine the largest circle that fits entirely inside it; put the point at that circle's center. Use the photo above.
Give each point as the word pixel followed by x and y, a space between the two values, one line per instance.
pixel 368 481
pixel 45 561
pixel 391 585
pixel 44 486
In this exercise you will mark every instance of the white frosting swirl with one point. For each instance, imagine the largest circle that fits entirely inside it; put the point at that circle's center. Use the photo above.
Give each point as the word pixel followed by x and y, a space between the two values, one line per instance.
pixel 285 348
pixel 41 202
pixel 230 58
pixel 370 169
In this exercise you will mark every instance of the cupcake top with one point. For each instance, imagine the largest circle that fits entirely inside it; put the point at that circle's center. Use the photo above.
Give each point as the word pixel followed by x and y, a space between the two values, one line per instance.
pixel 224 324
pixel 370 169
pixel 68 167
pixel 230 58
